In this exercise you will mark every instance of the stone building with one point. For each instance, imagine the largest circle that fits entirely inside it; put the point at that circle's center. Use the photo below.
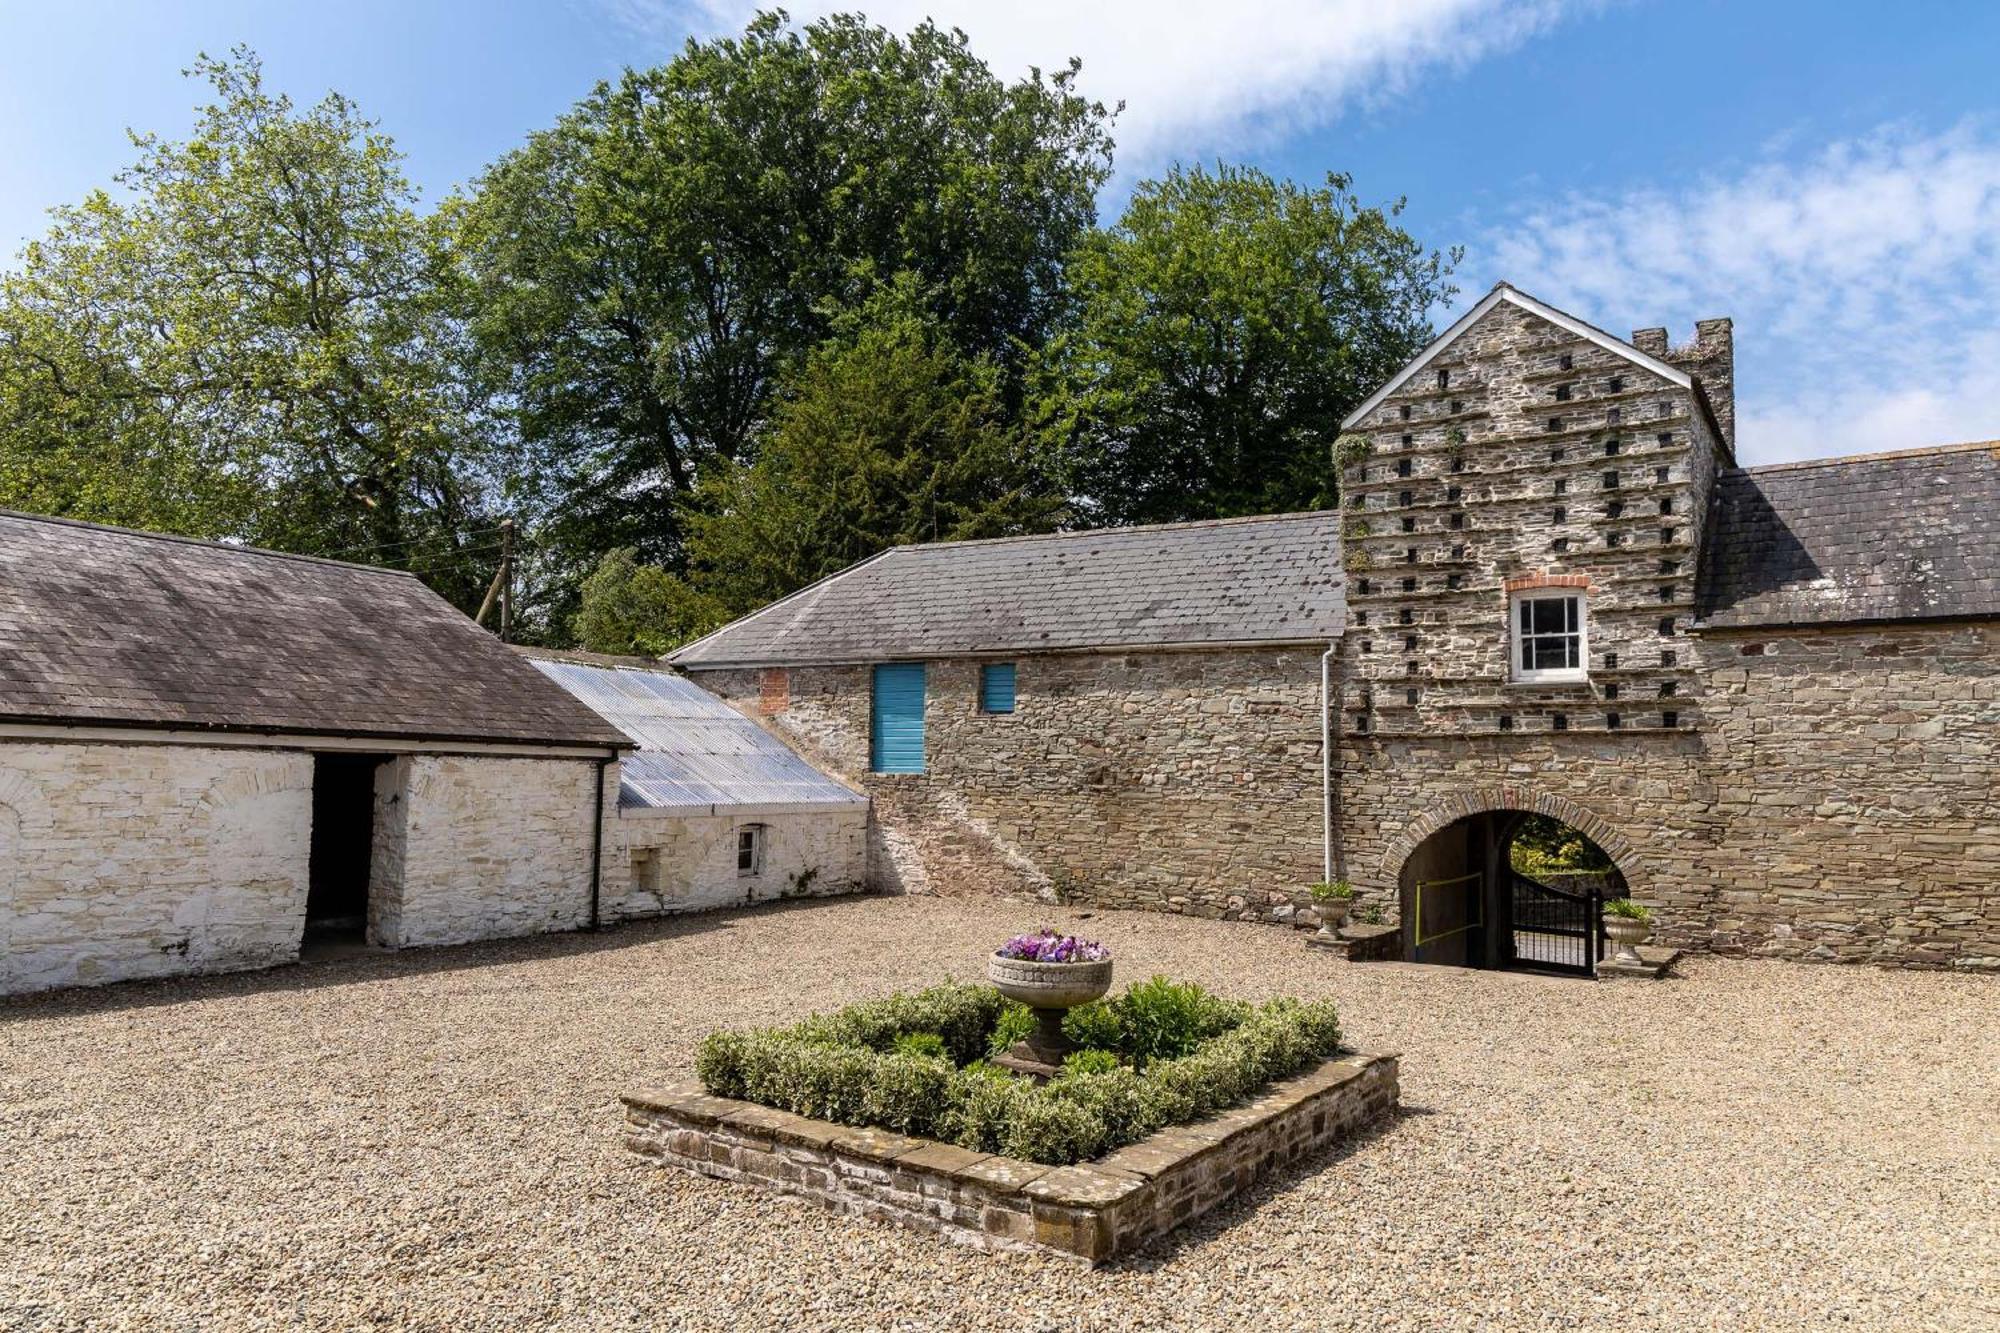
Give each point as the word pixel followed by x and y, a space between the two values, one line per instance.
pixel 1126 717
pixel 1770 695
pixel 712 810
pixel 208 752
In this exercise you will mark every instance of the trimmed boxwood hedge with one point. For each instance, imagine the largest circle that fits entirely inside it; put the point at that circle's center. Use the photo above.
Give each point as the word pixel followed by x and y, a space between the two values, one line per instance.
pixel 1187 1053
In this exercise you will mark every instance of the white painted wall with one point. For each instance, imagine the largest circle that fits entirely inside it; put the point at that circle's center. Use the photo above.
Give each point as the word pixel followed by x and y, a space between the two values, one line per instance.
pixel 122 861
pixel 687 863
pixel 477 847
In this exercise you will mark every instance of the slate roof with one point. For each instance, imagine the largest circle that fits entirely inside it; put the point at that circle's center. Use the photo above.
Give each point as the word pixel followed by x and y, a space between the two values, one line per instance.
pixel 104 626
pixel 696 754
pixel 1273 579
pixel 1912 535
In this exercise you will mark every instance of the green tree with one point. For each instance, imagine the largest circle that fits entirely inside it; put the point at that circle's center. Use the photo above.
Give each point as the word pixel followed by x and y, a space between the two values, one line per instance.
pixel 652 266
pixel 887 435
pixel 259 338
pixel 1226 325
pixel 629 607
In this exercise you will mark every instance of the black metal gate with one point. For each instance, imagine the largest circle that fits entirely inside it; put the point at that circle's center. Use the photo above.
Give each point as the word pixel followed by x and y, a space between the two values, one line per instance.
pixel 1551 929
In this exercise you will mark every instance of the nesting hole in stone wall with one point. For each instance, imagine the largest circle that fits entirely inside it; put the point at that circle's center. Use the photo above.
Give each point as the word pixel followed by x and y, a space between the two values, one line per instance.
pixel 1611 690
pixel 1559 545
pixel 1666 438
pixel 1667 536
pixel 1615 509
pixel 1457 522
pixel 1402 467
pixel 1661 474
pixel 1406 416
pixel 1444 378
pixel 1611 480
pixel 1668 688
pixel 1405 499
pixel 1612 416
pixel 1560 721
pixel 1670 720
pixel 1555 455
pixel 1562 393
pixel 1565 361
pixel 1667 658
pixel 1666 504
pixel 1611 661
pixel 1667 626
pixel 1615 384
pixel 1561 514
pixel 1409 525
pixel 1614 539
pixel 1611 447
pixel 1555 425
pixel 1506 722
pixel 1613 721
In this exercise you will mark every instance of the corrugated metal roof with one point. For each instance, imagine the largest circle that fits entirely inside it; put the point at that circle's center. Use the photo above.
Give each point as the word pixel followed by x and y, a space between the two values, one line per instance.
pixel 695 752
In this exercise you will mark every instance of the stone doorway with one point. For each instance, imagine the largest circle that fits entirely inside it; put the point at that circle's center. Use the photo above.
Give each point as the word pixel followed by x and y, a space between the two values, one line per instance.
pixel 1507 888
pixel 342 853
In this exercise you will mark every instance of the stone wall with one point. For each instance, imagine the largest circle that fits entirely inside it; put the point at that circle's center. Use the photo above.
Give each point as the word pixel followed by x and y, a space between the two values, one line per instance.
pixel 1179 781
pixel 1090 1212
pixel 481 847
pixel 686 863
pixel 1839 803
pixel 125 861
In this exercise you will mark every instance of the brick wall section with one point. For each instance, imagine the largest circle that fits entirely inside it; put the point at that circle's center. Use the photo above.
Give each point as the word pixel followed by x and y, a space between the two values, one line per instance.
pixel 123 861
pixel 1180 781
pixel 1090 1213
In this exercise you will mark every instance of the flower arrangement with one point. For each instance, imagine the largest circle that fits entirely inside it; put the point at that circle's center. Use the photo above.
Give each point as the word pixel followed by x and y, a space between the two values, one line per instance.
pixel 1047 946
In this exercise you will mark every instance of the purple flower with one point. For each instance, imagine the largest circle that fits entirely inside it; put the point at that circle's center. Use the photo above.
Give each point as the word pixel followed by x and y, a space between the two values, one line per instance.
pixel 1047 946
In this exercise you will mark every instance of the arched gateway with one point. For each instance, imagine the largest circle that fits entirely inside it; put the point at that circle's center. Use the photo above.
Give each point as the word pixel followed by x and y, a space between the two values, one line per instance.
pixel 1463 902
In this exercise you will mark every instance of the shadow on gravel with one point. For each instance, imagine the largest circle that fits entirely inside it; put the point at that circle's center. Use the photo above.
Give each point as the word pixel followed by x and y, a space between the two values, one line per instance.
pixel 1211 1226
pixel 381 964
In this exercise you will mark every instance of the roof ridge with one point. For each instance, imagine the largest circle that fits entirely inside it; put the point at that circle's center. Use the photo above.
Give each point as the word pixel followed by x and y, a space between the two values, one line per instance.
pixel 1881 456
pixel 1120 530
pixel 208 543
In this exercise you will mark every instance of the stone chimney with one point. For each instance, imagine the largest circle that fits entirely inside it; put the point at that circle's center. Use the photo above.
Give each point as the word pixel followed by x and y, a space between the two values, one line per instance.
pixel 1710 358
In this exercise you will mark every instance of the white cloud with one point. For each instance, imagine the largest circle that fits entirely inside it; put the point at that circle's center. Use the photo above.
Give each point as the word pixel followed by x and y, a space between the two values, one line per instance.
pixel 1197 77
pixel 1864 281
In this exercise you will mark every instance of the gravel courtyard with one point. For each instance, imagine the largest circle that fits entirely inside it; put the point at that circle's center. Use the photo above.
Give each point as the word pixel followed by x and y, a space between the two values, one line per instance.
pixel 431 1140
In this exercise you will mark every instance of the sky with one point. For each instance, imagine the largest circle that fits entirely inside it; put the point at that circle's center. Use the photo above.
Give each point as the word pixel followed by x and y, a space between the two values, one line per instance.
pixel 1824 172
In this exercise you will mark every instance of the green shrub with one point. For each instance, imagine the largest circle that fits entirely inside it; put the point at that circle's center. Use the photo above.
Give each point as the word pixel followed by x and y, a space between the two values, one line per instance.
pixel 1628 910
pixel 927 1044
pixel 1095 1027
pixel 985 1109
pixel 1043 1127
pixel 1089 1062
pixel 1163 1019
pixel 1014 1024
pixel 718 1063
pixel 891 1062
pixel 910 1094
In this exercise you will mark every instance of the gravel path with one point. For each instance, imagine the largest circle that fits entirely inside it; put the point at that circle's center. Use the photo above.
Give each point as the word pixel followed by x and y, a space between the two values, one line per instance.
pixel 431 1140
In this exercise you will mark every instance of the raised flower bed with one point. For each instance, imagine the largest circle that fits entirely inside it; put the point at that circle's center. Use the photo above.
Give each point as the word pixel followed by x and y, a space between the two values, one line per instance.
pixel 1171 1101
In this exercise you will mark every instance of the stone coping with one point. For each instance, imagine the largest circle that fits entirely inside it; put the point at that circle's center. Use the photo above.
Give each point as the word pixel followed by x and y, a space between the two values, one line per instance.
pixel 1087 1212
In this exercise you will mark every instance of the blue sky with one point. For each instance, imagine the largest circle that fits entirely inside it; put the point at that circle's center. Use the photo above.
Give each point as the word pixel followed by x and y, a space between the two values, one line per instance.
pixel 1828 174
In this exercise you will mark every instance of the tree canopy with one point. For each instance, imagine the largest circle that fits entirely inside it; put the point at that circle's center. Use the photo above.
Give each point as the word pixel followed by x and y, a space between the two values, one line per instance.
pixel 650 268
pixel 257 340
pixel 1225 327
pixel 729 325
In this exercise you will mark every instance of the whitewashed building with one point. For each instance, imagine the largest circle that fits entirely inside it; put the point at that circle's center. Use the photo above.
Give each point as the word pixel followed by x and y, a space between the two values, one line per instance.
pixel 712 810
pixel 208 752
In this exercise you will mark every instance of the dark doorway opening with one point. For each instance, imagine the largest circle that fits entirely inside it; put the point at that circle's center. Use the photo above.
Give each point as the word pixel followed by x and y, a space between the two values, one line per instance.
pixel 343 838
pixel 1505 888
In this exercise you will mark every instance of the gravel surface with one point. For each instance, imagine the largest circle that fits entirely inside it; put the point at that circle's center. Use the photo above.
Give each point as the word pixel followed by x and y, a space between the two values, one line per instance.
pixel 431 1140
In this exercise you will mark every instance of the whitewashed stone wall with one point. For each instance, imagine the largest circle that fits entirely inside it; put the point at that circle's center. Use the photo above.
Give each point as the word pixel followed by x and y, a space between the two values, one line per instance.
pixel 688 863
pixel 476 847
pixel 125 861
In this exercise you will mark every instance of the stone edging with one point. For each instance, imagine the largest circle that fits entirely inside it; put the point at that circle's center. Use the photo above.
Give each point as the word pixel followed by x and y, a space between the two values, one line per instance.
pixel 1088 1212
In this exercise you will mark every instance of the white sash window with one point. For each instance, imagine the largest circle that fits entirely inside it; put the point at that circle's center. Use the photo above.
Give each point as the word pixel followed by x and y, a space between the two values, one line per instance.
pixel 1550 642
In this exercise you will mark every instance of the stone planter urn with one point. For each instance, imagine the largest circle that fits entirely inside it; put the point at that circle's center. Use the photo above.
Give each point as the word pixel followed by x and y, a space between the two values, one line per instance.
pixel 1332 912
pixel 1051 990
pixel 1627 934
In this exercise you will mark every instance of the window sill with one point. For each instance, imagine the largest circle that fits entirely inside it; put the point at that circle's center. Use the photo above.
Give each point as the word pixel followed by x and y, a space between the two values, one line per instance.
pixel 1564 683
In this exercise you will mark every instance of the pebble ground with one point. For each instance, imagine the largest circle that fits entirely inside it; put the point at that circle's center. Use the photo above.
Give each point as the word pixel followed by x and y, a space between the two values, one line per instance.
pixel 431 1140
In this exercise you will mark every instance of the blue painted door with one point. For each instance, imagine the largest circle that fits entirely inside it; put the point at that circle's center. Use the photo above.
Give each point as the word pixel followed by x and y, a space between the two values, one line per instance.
pixel 896 720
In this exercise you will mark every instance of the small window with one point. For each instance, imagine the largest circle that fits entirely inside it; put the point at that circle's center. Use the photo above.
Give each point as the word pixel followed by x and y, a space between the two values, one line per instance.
pixel 1549 637
pixel 996 687
pixel 750 850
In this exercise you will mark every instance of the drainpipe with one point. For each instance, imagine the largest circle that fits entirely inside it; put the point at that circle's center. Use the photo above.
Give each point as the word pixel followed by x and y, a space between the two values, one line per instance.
pixel 597 842
pixel 1326 756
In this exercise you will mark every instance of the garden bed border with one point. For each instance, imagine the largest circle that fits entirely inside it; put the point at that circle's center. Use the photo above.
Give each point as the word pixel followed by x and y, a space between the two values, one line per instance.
pixel 1087 1212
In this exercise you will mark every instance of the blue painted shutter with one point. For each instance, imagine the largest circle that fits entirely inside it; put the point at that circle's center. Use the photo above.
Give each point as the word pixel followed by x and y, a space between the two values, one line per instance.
pixel 896 721
pixel 996 688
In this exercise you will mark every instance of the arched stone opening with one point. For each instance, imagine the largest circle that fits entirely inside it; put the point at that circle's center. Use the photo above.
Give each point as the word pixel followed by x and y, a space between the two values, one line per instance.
pixel 1465 903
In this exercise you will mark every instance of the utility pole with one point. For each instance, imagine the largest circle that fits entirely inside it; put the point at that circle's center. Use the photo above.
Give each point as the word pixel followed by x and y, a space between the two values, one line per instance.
pixel 506 578
pixel 501 590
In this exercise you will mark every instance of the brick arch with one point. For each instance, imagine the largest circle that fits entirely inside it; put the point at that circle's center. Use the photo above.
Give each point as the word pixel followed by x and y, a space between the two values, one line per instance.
pixel 1482 800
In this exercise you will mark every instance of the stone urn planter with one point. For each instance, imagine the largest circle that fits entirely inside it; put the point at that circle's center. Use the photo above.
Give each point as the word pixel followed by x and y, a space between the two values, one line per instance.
pixel 1627 934
pixel 1332 912
pixel 1051 990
